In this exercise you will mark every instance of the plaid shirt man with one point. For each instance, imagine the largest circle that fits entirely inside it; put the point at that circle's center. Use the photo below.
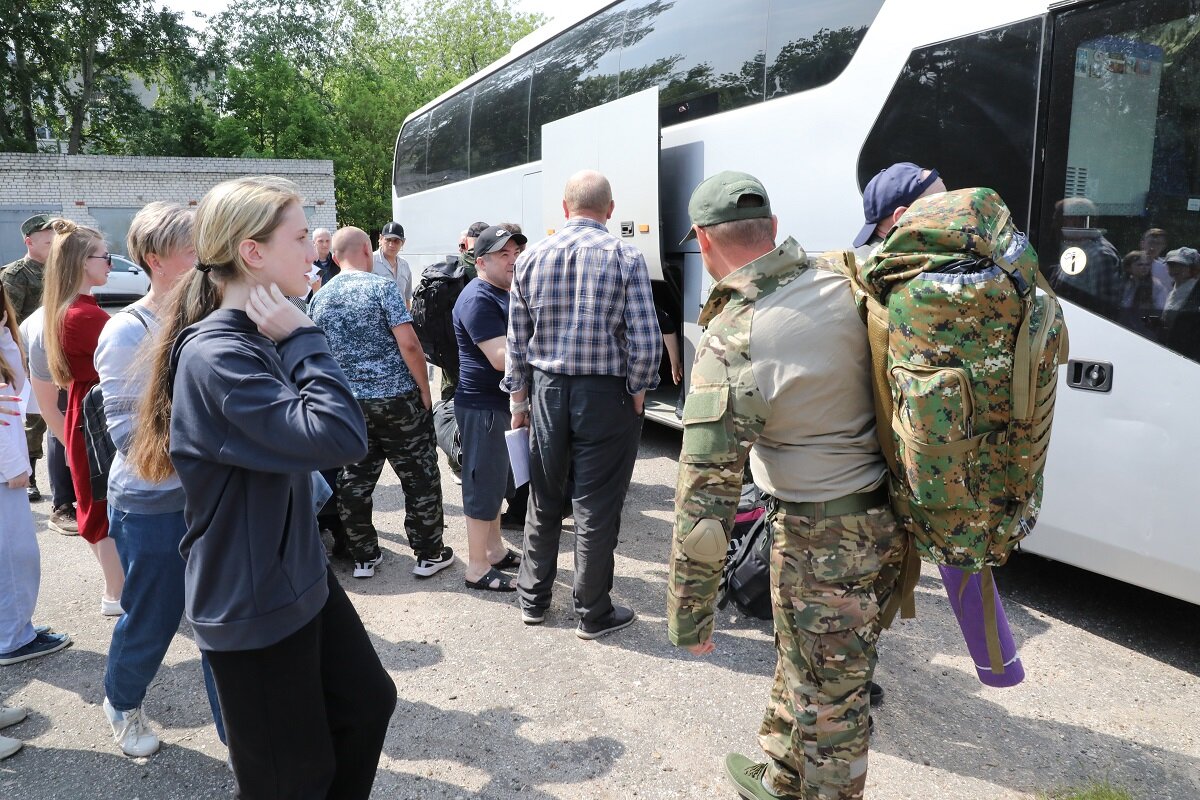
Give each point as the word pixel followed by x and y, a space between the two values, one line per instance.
pixel 581 304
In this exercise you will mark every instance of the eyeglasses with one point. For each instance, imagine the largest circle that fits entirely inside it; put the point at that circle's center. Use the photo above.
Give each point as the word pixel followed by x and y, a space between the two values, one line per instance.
pixel 107 258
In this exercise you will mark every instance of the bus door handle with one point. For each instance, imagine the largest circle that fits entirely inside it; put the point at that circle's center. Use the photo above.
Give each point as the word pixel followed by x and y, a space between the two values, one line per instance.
pixel 1090 376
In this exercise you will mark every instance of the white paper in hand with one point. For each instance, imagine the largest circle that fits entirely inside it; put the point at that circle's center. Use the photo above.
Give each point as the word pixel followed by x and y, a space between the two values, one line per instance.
pixel 518 454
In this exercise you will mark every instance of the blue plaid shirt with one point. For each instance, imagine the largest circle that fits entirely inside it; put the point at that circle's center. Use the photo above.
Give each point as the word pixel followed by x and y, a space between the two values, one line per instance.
pixel 581 304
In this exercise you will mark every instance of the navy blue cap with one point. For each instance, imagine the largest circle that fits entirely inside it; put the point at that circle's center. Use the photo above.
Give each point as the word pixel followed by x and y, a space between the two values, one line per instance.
pixel 898 185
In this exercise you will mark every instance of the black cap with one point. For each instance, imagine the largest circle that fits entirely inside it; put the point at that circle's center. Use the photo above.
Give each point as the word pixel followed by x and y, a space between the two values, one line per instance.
pixel 392 229
pixel 476 229
pixel 492 239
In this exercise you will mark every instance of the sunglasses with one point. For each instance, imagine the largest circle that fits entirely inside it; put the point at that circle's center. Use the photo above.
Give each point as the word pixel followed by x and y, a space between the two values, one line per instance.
pixel 107 258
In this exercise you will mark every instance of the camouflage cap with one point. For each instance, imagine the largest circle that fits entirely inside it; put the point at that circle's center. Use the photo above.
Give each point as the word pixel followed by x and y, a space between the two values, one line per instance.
pixel 718 198
pixel 38 222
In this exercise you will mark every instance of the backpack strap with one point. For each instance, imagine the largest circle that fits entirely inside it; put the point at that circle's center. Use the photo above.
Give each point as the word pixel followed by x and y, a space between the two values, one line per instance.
pixel 137 314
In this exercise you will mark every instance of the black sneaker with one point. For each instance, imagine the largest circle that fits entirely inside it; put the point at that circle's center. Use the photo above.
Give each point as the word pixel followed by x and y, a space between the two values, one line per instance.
pixel 35 494
pixel 432 565
pixel 43 644
pixel 531 615
pixel 620 617
pixel 876 693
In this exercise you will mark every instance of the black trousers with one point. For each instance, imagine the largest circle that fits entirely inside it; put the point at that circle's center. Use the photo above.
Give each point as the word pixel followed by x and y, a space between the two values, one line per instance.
pixel 585 426
pixel 306 716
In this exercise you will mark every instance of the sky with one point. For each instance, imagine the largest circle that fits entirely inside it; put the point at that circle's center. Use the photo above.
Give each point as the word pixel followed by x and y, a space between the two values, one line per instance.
pixel 547 7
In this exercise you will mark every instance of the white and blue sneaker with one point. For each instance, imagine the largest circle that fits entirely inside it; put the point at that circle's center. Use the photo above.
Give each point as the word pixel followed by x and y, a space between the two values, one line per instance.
pixel 131 732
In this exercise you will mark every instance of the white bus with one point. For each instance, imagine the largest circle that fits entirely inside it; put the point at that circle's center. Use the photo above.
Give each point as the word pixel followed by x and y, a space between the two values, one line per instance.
pixel 1085 116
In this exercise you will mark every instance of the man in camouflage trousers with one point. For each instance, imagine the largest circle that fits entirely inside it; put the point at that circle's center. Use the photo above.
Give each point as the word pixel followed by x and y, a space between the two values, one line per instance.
pixel 370 334
pixel 782 377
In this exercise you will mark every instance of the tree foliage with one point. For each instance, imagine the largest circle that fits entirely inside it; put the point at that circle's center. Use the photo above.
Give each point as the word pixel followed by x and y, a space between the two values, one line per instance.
pixel 266 78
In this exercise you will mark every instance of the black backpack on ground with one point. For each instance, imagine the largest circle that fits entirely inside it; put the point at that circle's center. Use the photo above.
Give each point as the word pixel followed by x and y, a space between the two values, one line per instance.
pixel 432 312
pixel 99 445
pixel 746 579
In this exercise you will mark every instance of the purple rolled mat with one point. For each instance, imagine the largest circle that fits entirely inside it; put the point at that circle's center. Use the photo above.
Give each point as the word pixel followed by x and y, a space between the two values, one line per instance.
pixel 969 609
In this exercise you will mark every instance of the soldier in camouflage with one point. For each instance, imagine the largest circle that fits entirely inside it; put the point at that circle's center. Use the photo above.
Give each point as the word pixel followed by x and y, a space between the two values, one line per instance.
pixel 782 377
pixel 23 281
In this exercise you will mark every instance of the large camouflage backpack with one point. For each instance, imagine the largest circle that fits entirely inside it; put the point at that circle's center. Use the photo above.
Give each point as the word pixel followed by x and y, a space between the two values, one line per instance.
pixel 432 312
pixel 965 357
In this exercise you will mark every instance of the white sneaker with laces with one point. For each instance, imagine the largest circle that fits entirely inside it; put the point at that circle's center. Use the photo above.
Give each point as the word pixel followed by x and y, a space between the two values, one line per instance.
pixel 366 569
pixel 131 731
pixel 427 566
pixel 11 715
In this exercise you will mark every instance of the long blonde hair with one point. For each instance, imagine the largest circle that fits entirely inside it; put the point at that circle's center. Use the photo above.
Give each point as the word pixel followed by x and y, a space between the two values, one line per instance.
pixel 63 276
pixel 231 213
pixel 8 373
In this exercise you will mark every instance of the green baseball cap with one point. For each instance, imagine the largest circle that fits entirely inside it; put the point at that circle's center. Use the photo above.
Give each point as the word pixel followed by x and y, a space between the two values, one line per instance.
pixel 717 200
pixel 38 222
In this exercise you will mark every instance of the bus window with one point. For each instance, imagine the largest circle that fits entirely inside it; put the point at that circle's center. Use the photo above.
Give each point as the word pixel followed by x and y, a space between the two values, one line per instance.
pixel 411 150
pixel 1121 205
pixel 449 134
pixel 810 43
pixel 705 56
pixel 937 116
pixel 574 72
pixel 500 120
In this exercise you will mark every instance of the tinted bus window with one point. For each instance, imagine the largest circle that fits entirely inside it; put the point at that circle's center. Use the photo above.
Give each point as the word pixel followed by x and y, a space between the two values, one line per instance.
pixel 705 56
pixel 411 151
pixel 1121 205
pixel 940 115
pixel 574 72
pixel 449 136
pixel 810 43
pixel 500 120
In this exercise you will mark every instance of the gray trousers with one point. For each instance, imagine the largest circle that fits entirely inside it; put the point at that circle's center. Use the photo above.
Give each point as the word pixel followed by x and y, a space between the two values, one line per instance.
pixel 582 425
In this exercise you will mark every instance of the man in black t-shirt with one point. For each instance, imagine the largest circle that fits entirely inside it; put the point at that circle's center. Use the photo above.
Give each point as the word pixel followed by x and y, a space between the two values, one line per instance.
pixel 481 407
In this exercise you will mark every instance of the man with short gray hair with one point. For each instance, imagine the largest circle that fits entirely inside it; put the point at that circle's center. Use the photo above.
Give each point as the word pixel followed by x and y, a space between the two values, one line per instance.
pixel 578 364
pixel 782 378
pixel 326 266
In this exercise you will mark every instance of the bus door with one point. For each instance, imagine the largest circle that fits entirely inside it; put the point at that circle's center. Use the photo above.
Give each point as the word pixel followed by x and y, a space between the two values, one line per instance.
pixel 1120 242
pixel 620 139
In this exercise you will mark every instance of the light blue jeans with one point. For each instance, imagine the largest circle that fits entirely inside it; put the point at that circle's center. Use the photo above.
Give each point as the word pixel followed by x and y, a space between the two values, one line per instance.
pixel 148 545
pixel 20 569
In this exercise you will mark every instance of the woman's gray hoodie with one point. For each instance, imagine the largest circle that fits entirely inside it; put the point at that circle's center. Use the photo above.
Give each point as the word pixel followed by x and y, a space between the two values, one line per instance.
pixel 250 420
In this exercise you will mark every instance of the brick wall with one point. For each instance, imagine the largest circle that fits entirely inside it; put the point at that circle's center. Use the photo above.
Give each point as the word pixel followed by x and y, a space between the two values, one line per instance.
pixel 77 185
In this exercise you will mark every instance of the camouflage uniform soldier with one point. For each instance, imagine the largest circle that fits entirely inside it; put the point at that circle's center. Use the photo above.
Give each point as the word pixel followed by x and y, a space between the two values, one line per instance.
pixel 23 280
pixel 782 377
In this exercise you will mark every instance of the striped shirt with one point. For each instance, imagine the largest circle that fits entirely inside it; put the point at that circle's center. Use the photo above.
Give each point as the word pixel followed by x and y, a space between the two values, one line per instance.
pixel 581 304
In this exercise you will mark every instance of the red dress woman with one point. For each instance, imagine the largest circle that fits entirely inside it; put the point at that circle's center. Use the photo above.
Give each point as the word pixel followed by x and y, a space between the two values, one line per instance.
pixel 79 261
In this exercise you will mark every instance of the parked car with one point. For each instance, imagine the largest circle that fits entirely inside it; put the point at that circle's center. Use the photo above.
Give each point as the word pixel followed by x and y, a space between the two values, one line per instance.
pixel 126 283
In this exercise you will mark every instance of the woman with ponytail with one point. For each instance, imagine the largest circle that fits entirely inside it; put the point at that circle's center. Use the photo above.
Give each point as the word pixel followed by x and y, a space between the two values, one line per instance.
pixel 79 261
pixel 244 403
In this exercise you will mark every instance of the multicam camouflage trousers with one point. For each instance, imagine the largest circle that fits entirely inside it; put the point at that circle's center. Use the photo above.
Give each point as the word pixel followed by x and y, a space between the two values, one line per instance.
pixel 829 579
pixel 400 431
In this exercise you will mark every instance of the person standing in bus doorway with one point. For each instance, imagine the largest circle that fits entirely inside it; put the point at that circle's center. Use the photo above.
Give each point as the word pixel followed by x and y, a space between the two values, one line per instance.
pixel 1181 315
pixel 885 199
pixel 371 336
pixel 386 261
pixel 805 419
pixel 578 364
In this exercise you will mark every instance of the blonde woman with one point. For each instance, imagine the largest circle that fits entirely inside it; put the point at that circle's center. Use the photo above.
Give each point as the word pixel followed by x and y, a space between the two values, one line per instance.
pixel 145 518
pixel 245 401
pixel 79 261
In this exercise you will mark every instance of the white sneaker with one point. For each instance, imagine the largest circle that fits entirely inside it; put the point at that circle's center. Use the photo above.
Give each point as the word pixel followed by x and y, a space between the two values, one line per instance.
pixel 9 746
pixel 366 569
pixel 427 566
pixel 111 608
pixel 131 731
pixel 12 715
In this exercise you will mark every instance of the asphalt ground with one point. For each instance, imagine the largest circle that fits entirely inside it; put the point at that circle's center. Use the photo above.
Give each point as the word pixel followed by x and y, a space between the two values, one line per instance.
pixel 491 708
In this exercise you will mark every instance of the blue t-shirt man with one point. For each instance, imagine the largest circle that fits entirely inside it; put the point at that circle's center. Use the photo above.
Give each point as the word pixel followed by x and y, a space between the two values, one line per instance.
pixel 480 314
pixel 357 310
